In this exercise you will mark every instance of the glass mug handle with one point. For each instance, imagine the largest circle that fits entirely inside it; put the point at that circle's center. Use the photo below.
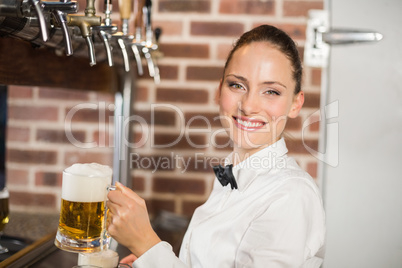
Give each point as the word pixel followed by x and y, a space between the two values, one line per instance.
pixel 106 236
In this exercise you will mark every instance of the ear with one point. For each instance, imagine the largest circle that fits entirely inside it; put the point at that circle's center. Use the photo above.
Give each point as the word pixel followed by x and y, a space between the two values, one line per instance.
pixel 218 93
pixel 297 104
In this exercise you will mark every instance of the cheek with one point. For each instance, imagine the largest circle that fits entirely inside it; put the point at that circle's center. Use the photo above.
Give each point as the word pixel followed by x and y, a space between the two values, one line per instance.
pixel 227 103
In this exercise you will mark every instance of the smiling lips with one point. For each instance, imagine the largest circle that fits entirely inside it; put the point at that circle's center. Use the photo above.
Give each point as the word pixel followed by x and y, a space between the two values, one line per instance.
pixel 248 124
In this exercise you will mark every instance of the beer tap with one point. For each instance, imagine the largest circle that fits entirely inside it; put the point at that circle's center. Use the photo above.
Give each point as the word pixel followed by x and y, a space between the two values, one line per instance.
pixel 41 18
pixel 125 7
pixel 152 67
pixel 138 36
pixel 85 23
pixel 60 11
pixel 106 30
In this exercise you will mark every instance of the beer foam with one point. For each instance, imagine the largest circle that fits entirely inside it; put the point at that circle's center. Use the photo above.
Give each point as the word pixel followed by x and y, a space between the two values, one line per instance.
pixel 106 259
pixel 86 182
pixel 90 170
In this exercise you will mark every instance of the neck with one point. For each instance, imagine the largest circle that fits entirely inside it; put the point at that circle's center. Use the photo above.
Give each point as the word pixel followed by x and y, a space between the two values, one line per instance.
pixel 240 154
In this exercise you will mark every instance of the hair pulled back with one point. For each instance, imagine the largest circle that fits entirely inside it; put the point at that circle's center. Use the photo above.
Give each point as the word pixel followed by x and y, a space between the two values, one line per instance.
pixel 277 38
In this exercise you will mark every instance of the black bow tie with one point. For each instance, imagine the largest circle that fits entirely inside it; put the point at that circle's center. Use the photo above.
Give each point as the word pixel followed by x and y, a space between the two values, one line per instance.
pixel 225 175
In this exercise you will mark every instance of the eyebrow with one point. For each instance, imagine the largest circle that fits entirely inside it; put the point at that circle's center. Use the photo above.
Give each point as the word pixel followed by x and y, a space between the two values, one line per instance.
pixel 243 79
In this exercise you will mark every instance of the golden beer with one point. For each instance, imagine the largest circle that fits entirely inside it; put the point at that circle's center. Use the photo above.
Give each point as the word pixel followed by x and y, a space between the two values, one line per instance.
pixel 81 220
pixel 3 213
pixel 82 213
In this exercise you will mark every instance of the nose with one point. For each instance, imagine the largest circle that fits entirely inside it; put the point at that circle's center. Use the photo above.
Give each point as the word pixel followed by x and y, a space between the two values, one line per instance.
pixel 250 104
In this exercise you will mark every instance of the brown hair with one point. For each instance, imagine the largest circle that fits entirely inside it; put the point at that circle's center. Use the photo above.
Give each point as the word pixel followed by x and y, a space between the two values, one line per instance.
pixel 277 38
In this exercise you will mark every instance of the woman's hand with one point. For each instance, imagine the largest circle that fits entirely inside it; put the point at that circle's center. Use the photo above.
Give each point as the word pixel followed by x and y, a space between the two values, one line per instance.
pixel 128 220
pixel 129 259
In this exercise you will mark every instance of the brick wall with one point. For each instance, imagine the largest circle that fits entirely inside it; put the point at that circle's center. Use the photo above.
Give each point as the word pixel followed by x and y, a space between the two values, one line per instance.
pixel 196 37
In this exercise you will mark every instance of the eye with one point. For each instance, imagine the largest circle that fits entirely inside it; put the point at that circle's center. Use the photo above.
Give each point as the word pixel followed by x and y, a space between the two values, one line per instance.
pixel 235 85
pixel 272 92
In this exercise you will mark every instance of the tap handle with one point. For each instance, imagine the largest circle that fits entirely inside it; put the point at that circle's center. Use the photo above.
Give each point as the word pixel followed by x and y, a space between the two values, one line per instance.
pixel 62 20
pixel 125 7
pixel 152 67
pixel 120 41
pixel 108 12
pixel 137 57
pixel 104 36
pixel 138 22
pixel 91 51
pixel 42 22
pixel 157 32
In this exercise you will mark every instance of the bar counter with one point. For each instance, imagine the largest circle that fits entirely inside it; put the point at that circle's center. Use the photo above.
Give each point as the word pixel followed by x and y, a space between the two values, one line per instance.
pixel 30 239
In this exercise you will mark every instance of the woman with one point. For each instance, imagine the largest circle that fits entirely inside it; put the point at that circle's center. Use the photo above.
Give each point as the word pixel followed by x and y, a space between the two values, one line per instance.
pixel 272 215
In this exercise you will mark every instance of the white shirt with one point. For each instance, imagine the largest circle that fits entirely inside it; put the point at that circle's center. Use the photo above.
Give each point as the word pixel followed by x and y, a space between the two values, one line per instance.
pixel 274 219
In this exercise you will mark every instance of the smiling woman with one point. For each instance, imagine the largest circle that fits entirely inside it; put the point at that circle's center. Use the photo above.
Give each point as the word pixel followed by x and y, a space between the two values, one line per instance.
pixel 271 214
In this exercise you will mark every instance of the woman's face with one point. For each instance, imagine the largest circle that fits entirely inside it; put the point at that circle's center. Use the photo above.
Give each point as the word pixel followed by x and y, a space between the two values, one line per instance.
pixel 256 96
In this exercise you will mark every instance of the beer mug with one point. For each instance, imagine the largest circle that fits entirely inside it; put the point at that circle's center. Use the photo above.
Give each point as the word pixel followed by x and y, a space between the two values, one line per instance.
pixel 83 208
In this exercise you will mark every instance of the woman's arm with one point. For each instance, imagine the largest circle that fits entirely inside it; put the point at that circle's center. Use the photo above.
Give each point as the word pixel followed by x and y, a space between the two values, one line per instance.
pixel 128 223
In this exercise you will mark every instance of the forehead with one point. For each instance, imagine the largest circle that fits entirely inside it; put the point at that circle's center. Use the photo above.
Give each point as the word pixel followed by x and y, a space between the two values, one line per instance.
pixel 260 60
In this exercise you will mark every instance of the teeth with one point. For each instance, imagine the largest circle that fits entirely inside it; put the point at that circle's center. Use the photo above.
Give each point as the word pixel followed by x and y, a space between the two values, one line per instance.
pixel 248 123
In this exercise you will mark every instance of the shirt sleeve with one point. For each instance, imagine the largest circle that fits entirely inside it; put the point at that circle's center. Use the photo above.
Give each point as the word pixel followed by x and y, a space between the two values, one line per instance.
pixel 160 255
pixel 286 233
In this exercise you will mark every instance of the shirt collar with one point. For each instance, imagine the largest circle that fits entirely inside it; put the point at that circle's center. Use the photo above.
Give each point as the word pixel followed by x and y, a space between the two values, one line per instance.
pixel 271 157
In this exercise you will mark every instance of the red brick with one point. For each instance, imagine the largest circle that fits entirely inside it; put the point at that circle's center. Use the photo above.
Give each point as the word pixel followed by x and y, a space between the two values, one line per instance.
pixel 300 8
pixel 223 143
pixel 20 134
pixel 199 6
pixel 138 183
pixel 312 100
pixel 201 163
pixel 188 207
pixel 247 7
pixel 89 112
pixel 170 95
pixel 63 94
pixel 58 136
pixel 163 118
pixel 156 205
pixel 224 50
pixel 218 29
pixel 101 138
pixel 19 92
pixel 141 93
pixel 152 163
pixel 178 186
pixel 168 72
pixel 204 120
pixel 32 156
pixel 16 177
pixel 314 123
pixel 316 77
pixel 204 73
pixel 25 112
pixel 185 50
pixel 48 178
pixel 172 141
pixel 82 156
pixel 294 123
pixel 168 27
pixel 32 199
pixel 297 146
pixel 312 169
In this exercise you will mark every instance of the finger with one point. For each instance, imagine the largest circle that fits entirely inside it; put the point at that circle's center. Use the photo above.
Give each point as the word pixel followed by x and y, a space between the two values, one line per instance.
pixel 129 259
pixel 128 192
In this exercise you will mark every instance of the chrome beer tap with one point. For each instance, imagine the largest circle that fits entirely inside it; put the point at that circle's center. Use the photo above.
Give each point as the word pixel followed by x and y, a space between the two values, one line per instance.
pixel 121 38
pixel 60 11
pixel 106 30
pixel 44 30
pixel 153 68
pixel 85 23
pixel 137 42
